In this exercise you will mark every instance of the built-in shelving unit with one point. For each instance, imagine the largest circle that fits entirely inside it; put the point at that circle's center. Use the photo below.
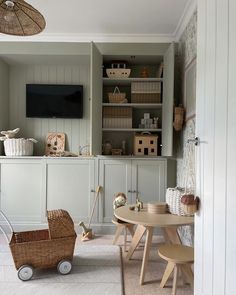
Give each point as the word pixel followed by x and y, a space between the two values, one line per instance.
pixel 140 100
pixel 152 85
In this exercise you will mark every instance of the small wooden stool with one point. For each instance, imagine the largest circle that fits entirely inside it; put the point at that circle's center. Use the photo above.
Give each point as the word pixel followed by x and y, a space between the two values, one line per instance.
pixel 122 227
pixel 179 257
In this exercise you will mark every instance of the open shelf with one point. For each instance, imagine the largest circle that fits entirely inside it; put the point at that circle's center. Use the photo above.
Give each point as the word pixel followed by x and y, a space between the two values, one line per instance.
pixel 135 105
pixel 127 81
pixel 132 129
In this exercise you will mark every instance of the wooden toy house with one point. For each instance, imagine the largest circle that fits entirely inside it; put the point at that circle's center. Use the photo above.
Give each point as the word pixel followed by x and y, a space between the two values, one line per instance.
pixel 145 145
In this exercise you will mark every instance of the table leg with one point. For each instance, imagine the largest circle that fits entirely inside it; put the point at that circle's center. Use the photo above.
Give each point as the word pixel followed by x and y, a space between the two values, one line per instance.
pixel 172 234
pixel 136 239
pixel 148 244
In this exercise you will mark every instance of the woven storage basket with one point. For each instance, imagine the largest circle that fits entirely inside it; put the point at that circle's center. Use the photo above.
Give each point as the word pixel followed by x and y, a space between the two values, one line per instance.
pixel 145 98
pixel 116 96
pixel 18 147
pixel 45 248
pixel 117 117
pixel 173 199
pixel 145 92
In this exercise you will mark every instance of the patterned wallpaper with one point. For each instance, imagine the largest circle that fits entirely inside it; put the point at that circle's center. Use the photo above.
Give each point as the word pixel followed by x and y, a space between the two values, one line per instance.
pixel 188 41
pixel 187 52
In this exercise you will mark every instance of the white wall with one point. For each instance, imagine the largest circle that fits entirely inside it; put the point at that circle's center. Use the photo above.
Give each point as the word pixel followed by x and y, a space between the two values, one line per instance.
pixel 77 130
pixel 215 240
pixel 3 98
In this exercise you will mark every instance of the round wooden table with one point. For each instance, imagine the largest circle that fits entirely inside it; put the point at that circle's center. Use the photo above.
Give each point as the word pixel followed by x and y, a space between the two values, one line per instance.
pixel 146 223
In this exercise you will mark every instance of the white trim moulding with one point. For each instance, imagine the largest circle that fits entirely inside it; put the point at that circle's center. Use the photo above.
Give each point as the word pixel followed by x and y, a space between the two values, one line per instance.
pixel 190 7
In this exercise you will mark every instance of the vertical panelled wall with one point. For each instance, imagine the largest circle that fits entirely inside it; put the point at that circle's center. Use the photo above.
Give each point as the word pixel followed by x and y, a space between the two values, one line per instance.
pixel 215 239
pixel 77 130
pixel 3 98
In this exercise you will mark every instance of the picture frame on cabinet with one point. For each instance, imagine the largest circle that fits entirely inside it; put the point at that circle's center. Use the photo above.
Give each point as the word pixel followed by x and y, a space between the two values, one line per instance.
pixel 190 90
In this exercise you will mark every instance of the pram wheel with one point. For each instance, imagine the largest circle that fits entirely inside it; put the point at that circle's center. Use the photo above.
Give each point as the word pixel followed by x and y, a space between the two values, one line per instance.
pixel 64 267
pixel 25 272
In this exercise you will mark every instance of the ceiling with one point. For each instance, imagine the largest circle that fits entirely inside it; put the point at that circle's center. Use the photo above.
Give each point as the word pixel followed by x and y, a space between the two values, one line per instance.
pixel 106 19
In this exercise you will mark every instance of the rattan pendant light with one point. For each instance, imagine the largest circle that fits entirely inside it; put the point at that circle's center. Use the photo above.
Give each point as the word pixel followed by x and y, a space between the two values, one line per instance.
pixel 19 18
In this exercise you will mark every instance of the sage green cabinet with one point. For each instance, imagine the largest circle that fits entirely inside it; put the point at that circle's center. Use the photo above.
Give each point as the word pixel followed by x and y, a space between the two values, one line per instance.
pixel 146 178
pixel 22 190
pixel 70 186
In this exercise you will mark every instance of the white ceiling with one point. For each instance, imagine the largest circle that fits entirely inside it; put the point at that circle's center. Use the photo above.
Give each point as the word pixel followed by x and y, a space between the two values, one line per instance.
pixel 109 18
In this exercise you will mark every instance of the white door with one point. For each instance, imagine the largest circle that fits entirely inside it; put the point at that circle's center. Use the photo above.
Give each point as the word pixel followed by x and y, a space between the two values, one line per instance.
pixel 168 101
pixel 95 101
pixel 215 239
pixel 149 180
pixel 69 186
pixel 114 177
pixel 21 190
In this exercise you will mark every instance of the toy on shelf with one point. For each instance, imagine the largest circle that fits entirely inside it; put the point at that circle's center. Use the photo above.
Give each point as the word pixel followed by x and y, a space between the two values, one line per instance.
pixel 148 123
pixel 9 133
pixel 145 144
pixel 118 70
pixel 116 152
pixel 55 144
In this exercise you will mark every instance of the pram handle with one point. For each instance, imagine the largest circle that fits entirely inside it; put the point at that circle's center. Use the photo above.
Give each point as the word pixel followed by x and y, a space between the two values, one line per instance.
pixel 8 223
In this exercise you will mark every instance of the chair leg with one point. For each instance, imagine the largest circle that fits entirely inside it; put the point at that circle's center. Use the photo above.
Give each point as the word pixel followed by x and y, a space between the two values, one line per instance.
pixel 131 229
pixel 187 271
pixel 117 234
pixel 169 268
pixel 125 238
pixel 175 280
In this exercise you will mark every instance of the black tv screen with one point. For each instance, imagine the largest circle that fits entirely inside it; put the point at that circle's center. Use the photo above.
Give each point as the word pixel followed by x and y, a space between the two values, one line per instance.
pixel 54 101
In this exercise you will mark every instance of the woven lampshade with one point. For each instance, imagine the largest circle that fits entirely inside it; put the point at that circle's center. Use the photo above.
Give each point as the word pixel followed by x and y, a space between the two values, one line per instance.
pixel 19 18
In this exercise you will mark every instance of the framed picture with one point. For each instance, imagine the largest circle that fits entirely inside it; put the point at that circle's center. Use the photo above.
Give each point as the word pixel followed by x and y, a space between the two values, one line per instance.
pixel 190 90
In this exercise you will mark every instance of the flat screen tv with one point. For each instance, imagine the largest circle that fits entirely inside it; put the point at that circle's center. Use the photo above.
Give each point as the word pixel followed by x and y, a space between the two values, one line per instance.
pixel 54 101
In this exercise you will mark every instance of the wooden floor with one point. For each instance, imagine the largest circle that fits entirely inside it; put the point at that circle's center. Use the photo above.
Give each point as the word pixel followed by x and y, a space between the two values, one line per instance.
pixel 155 270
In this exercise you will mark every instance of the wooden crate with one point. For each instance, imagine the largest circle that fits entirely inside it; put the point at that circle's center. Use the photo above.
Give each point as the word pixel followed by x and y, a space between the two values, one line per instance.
pixel 145 145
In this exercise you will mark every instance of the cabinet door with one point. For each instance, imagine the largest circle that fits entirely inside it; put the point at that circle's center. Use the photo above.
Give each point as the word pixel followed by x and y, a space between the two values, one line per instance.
pixel 149 180
pixel 95 101
pixel 168 101
pixel 21 191
pixel 69 187
pixel 114 177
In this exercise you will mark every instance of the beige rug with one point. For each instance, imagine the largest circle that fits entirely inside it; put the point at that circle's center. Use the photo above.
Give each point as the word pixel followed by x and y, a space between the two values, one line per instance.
pixel 97 270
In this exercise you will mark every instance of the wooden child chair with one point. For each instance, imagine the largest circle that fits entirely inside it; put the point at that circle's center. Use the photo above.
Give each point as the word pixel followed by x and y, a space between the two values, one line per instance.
pixel 120 199
pixel 179 257
pixel 122 227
